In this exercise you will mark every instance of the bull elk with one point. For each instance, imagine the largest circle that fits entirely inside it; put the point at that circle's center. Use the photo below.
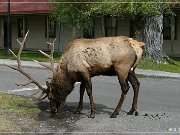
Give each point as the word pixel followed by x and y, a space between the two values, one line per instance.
pixel 83 59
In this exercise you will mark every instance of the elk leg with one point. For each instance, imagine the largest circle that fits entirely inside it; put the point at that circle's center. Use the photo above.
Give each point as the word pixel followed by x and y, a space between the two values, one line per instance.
pixel 135 84
pixel 88 86
pixel 122 75
pixel 80 106
pixel 89 92
pixel 118 108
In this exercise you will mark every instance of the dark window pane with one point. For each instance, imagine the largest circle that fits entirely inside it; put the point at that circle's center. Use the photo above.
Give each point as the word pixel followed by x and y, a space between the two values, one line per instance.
pixel 110 26
pixel 167 33
pixel 20 25
pixel 50 28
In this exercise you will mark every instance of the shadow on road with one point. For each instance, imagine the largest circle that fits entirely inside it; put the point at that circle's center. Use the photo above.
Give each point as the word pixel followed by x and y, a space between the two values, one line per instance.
pixel 64 120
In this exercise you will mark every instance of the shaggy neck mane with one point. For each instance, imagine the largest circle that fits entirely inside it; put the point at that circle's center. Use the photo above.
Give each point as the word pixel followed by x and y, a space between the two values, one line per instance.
pixel 62 81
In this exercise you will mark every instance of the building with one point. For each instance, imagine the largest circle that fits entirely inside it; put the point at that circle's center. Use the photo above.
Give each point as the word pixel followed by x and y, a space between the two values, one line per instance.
pixel 34 16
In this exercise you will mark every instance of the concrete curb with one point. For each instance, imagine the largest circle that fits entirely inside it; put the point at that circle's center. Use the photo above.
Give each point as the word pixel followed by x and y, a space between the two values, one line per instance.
pixel 153 73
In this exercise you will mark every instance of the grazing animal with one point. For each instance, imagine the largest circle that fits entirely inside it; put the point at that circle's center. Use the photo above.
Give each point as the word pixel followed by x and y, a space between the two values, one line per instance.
pixel 85 58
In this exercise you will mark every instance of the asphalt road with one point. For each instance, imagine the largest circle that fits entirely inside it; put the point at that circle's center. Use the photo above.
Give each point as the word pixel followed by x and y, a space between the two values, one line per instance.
pixel 159 105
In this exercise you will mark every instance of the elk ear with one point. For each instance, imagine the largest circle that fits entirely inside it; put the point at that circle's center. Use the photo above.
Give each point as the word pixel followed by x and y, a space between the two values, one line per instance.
pixel 141 44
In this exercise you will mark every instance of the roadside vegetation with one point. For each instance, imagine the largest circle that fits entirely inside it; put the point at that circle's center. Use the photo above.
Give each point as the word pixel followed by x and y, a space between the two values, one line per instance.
pixel 13 109
pixel 149 64
pixel 144 64
pixel 18 105
pixel 29 56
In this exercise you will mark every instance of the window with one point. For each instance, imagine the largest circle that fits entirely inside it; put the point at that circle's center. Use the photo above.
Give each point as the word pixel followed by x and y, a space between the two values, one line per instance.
pixel 132 29
pixel 20 25
pixel 169 28
pixel 50 28
pixel 89 33
pixel 110 26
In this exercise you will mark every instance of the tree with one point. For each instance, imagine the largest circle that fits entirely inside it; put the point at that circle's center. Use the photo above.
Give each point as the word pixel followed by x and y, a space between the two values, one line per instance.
pixel 146 14
pixel 148 18
pixel 76 14
pixel 149 28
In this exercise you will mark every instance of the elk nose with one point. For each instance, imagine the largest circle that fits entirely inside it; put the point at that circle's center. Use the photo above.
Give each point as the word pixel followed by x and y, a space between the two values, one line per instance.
pixel 54 110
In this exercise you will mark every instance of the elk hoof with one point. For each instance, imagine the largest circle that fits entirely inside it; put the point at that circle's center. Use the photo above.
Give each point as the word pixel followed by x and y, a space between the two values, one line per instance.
pixel 114 115
pixel 136 113
pixel 92 116
pixel 77 112
pixel 130 113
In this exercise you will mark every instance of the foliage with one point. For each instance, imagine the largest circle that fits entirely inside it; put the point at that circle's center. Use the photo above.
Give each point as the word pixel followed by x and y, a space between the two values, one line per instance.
pixel 132 7
pixel 18 105
pixel 77 13
pixel 149 64
pixel 29 56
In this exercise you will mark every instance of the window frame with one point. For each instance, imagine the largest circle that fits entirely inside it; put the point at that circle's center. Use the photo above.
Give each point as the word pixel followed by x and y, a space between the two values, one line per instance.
pixel 50 25
pixel 110 26
pixel 20 27
pixel 169 28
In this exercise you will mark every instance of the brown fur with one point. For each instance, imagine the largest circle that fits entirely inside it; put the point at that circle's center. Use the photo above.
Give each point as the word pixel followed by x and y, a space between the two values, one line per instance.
pixel 85 58
pixel 138 47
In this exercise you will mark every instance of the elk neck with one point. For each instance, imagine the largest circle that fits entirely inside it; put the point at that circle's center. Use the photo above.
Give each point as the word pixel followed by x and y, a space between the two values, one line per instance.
pixel 63 80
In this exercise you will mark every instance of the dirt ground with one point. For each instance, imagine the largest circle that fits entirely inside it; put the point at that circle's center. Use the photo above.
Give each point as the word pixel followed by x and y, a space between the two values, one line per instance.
pixel 43 122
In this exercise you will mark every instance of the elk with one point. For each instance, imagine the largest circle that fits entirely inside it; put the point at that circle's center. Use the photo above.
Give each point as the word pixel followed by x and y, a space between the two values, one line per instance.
pixel 83 59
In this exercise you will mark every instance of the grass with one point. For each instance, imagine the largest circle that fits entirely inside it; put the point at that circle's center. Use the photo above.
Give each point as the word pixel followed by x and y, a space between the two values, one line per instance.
pixel 149 64
pixel 18 105
pixel 8 126
pixel 144 64
pixel 16 111
pixel 29 56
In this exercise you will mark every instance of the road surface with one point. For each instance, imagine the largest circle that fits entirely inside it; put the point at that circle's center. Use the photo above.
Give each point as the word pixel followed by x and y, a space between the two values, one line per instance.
pixel 159 105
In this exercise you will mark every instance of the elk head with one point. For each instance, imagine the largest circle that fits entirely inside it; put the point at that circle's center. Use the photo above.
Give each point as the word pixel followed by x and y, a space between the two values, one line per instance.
pixel 50 91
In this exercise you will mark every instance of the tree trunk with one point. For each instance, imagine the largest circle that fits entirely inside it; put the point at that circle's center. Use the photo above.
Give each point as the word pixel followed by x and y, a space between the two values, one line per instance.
pixel 149 30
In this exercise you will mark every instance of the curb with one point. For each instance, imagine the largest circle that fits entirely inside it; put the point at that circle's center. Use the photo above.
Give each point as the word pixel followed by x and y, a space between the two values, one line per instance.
pixel 153 73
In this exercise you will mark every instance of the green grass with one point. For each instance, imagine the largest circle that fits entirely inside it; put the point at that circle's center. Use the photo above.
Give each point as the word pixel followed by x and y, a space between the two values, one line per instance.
pixel 18 105
pixel 144 64
pixel 29 56
pixel 149 64
pixel 14 109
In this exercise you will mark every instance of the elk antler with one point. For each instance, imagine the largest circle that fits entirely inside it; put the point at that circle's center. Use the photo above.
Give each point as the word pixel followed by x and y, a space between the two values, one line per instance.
pixel 21 70
pixel 51 66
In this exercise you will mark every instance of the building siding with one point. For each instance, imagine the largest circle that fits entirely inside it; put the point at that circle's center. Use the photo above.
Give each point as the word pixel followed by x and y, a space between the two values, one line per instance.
pixel 97 27
pixel 172 48
pixel 1 33
pixel 176 46
pixel 123 27
pixel 37 40
pixel 64 33
pixel 67 35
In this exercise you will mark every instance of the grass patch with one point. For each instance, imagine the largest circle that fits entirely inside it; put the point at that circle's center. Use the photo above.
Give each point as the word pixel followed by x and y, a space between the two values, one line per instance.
pixel 144 64
pixel 149 64
pixel 18 105
pixel 141 76
pixel 30 56
pixel 8 126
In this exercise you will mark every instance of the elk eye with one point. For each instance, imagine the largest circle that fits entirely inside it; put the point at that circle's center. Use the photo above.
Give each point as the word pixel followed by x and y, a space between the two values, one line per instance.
pixel 57 81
